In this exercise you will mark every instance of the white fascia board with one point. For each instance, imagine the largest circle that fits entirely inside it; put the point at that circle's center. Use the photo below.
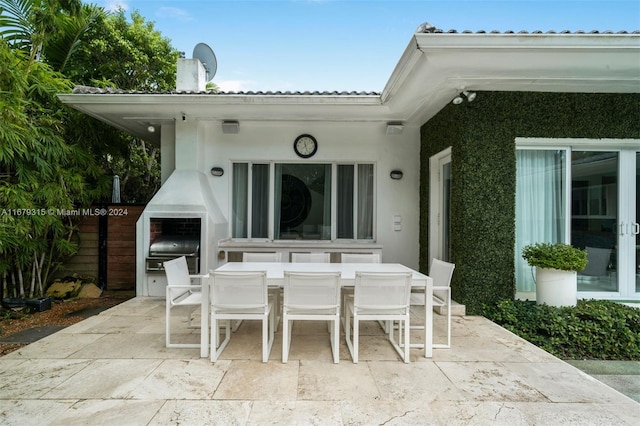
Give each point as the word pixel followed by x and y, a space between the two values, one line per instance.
pixel 213 99
pixel 438 42
pixel 116 108
pixel 403 69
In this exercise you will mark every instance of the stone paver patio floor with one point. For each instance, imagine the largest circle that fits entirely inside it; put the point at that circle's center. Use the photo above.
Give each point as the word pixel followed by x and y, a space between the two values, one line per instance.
pixel 113 369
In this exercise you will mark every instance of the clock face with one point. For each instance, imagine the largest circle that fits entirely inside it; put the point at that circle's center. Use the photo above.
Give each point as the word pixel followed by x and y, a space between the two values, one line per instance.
pixel 305 146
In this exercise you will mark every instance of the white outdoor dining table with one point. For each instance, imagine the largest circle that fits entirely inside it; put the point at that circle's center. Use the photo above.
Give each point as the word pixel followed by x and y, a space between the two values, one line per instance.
pixel 275 278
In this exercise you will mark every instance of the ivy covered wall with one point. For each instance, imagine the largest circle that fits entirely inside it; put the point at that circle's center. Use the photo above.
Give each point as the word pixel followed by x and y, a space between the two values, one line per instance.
pixel 482 137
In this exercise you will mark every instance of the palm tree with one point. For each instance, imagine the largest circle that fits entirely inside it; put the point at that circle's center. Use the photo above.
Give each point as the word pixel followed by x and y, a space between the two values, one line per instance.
pixel 47 29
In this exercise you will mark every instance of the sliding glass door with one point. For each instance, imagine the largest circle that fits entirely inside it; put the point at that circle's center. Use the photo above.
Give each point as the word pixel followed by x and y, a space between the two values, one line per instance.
pixel 595 185
pixel 636 230
pixel 588 197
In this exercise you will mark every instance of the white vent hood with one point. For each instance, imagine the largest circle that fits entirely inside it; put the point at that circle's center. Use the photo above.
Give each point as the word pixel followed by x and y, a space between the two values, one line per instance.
pixel 186 191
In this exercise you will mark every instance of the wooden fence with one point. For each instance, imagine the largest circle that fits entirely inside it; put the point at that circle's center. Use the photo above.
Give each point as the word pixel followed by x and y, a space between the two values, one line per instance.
pixel 107 248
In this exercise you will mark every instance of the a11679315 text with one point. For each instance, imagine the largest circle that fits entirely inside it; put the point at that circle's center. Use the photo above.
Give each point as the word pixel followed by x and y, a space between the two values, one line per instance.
pixel 110 211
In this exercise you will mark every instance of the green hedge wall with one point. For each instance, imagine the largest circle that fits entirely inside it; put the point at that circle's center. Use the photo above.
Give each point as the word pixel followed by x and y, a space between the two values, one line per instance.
pixel 482 138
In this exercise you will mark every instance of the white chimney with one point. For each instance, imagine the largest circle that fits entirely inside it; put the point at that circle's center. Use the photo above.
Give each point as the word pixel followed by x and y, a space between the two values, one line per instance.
pixel 191 76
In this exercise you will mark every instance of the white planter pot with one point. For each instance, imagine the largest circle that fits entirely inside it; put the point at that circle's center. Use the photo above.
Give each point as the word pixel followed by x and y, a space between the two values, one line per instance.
pixel 555 287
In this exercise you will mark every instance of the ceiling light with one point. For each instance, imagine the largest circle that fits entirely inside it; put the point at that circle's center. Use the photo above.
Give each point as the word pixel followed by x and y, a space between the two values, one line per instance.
pixel 469 95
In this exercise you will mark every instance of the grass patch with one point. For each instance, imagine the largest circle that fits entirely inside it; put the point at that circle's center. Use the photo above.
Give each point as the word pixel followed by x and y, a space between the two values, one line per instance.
pixel 594 329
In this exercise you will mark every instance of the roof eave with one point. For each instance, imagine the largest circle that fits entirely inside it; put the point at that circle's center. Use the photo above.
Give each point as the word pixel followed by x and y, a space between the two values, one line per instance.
pixel 436 66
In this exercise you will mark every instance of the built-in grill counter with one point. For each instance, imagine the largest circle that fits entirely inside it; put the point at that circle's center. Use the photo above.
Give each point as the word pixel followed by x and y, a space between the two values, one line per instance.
pixel 170 238
pixel 182 219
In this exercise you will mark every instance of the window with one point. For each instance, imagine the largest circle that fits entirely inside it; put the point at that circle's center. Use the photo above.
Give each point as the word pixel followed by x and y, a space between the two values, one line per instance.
pixel 295 201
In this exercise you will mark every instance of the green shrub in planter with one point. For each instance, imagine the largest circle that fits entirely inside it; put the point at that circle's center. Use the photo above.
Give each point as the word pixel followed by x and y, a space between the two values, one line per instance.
pixel 563 257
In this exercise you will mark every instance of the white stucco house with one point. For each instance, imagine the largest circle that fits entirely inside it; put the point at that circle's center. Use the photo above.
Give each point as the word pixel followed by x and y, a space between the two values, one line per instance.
pixel 431 166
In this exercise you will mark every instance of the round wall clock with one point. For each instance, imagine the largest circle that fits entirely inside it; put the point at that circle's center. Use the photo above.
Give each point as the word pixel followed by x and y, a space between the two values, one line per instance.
pixel 305 146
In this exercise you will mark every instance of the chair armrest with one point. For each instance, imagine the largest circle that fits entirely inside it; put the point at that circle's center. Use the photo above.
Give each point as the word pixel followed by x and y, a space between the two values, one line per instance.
pixel 177 293
pixel 182 289
pixel 199 277
pixel 186 286
pixel 440 301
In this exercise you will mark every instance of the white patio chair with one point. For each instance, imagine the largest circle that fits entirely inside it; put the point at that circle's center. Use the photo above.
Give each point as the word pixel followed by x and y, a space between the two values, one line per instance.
pixel 441 273
pixel 262 257
pixel 356 258
pixel 268 257
pixel 382 297
pixel 310 257
pixel 597 262
pixel 181 292
pixel 240 296
pixel 360 258
pixel 311 297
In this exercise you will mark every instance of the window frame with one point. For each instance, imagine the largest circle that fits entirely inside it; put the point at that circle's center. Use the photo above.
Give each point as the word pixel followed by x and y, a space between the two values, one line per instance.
pixel 271 203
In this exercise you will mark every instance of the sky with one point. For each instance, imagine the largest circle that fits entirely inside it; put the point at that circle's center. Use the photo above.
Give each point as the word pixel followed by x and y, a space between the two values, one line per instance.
pixel 299 45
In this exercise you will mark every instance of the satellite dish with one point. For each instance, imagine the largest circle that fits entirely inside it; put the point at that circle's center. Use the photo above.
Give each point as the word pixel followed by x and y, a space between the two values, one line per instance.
pixel 203 52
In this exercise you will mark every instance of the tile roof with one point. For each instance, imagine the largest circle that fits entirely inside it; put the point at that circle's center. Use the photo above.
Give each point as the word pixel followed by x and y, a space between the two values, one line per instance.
pixel 427 28
pixel 88 90
pixel 304 93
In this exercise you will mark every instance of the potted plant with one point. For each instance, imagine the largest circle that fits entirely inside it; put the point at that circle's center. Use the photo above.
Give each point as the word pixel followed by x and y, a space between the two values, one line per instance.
pixel 557 265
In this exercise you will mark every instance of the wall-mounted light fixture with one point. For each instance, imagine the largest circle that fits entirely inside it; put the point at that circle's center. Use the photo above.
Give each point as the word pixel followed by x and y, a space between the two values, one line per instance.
pixel 230 127
pixel 151 128
pixel 396 174
pixel 394 128
pixel 217 171
pixel 469 96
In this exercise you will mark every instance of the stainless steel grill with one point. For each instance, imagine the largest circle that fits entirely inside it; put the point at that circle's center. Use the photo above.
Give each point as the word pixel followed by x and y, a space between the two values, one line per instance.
pixel 167 247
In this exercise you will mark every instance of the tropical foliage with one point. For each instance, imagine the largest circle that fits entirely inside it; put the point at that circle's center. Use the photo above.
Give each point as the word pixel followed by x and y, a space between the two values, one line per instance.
pixel 41 173
pixel 594 329
pixel 53 160
pixel 127 56
pixel 124 55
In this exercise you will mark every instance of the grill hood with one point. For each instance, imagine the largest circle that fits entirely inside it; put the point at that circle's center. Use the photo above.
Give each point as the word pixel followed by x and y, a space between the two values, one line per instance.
pixel 186 191
pixel 175 245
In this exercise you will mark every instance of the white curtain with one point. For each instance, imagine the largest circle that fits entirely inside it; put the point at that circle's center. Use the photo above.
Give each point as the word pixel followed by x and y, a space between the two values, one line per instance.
pixel 540 205
pixel 365 201
pixel 240 187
